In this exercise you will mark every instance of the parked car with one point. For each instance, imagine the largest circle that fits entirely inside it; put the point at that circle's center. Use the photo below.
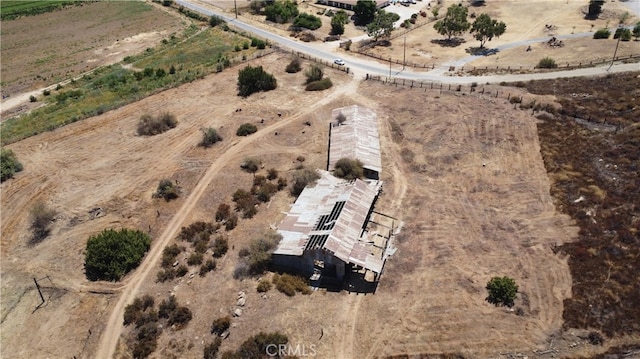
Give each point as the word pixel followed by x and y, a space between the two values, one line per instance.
pixel 339 62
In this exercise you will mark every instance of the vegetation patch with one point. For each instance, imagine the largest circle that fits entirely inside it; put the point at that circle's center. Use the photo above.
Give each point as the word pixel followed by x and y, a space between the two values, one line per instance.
pixel 255 259
pixel 246 129
pixel 256 346
pixel 151 126
pixel 209 137
pixel 9 164
pixel 290 284
pixel 255 79
pixel 319 85
pixel 348 169
pixel 167 189
pixel 11 9
pixel 112 254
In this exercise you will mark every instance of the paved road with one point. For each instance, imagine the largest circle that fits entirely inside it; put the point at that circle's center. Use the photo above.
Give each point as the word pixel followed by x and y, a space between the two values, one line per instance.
pixel 360 67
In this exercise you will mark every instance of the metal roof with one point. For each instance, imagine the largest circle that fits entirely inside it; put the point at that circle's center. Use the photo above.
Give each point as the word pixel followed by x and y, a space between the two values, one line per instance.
pixel 357 137
pixel 332 215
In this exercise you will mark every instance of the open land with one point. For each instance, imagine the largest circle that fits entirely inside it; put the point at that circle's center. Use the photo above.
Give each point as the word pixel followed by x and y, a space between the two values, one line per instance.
pixel 466 172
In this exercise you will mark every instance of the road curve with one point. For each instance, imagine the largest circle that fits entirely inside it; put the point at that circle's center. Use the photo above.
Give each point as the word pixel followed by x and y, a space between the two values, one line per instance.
pixel 360 67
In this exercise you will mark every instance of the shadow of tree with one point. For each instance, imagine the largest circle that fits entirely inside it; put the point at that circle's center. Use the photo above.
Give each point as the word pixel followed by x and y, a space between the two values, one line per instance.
pixel 481 51
pixel 453 42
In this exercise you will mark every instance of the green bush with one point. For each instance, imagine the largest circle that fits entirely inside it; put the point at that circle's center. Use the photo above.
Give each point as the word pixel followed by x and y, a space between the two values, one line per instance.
pixel 167 189
pixel 502 291
pixel 348 169
pixel 294 66
pixel 319 85
pixel 547 63
pixel 602 34
pixel 281 11
pixel 246 129
pixel 307 21
pixel 255 79
pixel 151 126
pixel 215 21
pixel 112 254
pixel 237 48
pixel 209 137
pixel 314 73
pixel 220 325
pixel 623 33
pixel 9 164
pixel 41 218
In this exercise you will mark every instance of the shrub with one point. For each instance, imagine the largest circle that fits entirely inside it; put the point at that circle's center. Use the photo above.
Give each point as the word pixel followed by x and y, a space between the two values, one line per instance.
pixel 165 275
pixel 180 317
pixel 220 247
pixel 246 129
pixel 167 306
pixel 602 34
pixel 255 79
pixel 9 164
pixel 281 11
pixel 220 325
pixel 294 66
pixel 151 126
pixel 256 346
pixel 237 48
pixel 623 33
pixel 348 169
pixel 307 21
pixel 245 45
pixel 209 137
pixel 547 63
pixel 263 286
pixel 211 349
pixel 223 212
pixel 197 231
pixel 272 174
pixel 41 218
pixel 515 99
pixel 502 291
pixel 231 223
pixel 112 254
pixel 167 190
pixel 194 259
pixel 301 179
pixel 319 85
pixel 314 73
pixel 201 245
pixel 207 267
pixel 46 92
pixel 289 284
pixel 32 98
pixel 250 164
pixel 182 271
pixel 215 21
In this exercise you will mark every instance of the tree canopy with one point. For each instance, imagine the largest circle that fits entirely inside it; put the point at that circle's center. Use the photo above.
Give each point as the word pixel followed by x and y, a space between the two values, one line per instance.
pixel 254 79
pixel 365 11
pixel 382 25
pixel 112 254
pixel 9 164
pixel 338 21
pixel 307 21
pixel 502 291
pixel 485 28
pixel 454 23
pixel 281 11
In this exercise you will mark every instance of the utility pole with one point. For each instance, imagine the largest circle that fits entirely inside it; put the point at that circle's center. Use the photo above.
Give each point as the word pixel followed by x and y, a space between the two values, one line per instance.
pixel 236 7
pixel 389 69
pixel 615 51
pixel 404 53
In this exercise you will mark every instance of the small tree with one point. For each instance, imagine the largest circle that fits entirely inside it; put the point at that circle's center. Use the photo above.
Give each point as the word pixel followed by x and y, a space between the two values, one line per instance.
pixel 255 79
pixel 281 11
pixel 636 31
pixel 338 21
pixel 112 254
pixel 348 169
pixel 382 25
pixel 485 28
pixel 313 74
pixel 502 291
pixel 623 33
pixel 9 164
pixel 307 21
pixel 365 11
pixel 595 8
pixel 41 218
pixel 602 34
pixel 209 137
pixel 454 22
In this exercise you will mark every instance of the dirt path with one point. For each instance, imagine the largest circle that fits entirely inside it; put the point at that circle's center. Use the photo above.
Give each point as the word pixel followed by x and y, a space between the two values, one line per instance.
pixel 114 327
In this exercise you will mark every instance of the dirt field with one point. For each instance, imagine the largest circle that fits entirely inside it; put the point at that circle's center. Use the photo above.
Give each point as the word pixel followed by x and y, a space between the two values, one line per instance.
pixel 464 172
pixel 465 222
pixel 41 50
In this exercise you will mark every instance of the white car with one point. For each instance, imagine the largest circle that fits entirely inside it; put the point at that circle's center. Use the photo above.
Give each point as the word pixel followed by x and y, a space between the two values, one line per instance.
pixel 339 62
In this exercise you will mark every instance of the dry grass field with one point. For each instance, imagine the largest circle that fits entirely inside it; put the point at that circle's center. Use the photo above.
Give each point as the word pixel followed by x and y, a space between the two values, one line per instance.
pixel 463 171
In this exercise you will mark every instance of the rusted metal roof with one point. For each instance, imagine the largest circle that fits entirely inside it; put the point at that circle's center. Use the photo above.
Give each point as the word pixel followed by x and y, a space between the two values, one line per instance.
pixel 357 137
pixel 333 213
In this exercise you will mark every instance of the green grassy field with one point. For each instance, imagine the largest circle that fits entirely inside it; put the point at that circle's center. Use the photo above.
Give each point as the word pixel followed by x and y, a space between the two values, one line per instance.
pixel 13 9
pixel 176 61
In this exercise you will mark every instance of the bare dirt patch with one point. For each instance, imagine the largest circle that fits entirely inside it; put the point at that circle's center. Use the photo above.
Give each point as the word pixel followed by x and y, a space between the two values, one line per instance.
pixel 44 49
